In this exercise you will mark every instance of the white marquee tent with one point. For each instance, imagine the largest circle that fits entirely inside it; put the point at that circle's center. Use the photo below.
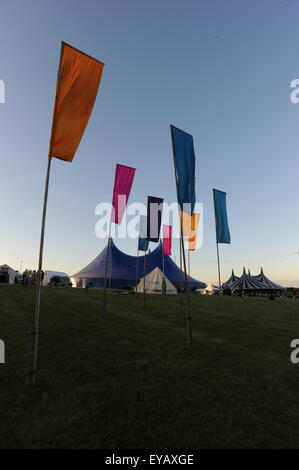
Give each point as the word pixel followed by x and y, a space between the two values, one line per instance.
pixel 153 283
pixel 50 274
pixel 10 271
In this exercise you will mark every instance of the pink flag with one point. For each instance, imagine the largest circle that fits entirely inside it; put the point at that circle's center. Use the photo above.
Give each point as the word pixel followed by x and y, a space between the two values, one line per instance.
pixel 167 229
pixel 123 181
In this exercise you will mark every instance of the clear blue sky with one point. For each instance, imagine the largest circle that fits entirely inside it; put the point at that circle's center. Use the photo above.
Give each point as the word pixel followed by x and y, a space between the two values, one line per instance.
pixel 221 70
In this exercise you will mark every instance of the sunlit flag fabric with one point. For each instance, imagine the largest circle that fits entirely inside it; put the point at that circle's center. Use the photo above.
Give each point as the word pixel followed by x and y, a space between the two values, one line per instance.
pixel 222 229
pixel 78 80
pixel 184 161
pixel 124 176
pixel 154 218
pixel 167 233
pixel 190 228
pixel 143 241
pixel 192 241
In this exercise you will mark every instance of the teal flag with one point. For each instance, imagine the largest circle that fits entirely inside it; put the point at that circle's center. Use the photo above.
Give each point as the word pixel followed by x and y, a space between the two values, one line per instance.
pixel 143 241
pixel 222 229
pixel 184 162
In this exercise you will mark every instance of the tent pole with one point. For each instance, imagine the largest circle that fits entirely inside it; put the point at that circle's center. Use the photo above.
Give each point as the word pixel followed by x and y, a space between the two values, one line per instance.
pixel 31 363
pixel 106 269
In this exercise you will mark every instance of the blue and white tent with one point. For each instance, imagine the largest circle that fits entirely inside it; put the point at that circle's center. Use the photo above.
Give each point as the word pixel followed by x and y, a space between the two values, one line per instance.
pixel 249 282
pixel 121 271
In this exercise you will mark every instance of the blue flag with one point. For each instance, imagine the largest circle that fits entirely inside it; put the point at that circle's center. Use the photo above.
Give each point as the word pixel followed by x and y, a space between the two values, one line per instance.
pixel 143 241
pixel 184 162
pixel 222 229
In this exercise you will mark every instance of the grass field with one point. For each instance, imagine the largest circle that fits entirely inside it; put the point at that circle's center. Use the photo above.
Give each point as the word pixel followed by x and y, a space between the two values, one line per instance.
pixel 130 381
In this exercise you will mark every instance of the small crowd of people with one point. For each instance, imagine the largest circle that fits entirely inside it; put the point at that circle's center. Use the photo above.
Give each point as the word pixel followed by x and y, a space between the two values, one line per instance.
pixel 28 278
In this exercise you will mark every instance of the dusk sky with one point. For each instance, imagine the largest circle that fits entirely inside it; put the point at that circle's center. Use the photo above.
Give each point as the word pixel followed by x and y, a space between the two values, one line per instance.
pixel 219 69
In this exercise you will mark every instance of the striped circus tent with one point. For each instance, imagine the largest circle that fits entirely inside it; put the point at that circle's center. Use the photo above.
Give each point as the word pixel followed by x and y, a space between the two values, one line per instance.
pixel 233 278
pixel 267 282
pixel 249 282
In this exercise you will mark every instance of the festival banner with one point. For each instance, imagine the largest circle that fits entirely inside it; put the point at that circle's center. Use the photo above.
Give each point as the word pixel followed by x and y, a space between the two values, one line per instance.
pixel 184 162
pixel 78 80
pixel 222 229
pixel 154 218
pixel 124 176
pixel 167 234
pixel 143 241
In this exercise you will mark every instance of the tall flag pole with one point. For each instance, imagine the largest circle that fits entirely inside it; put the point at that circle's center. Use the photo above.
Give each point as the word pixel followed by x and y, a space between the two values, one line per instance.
pixel 78 81
pixel 184 169
pixel 123 180
pixel 166 250
pixel 144 269
pixel 137 260
pixel 143 243
pixel 163 261
pixel 154 220
pixel 222 229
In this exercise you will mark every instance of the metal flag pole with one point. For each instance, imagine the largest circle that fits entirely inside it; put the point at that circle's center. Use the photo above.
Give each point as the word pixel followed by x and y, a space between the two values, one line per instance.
pixel 187 288
pixel 144 291
pixel 106 269
pixel 181 270
pixel 137 269
pixel 188 262
pixel 163 270
pixel 163 258
pixel 32 345
pixel 182 254
pixel 219 281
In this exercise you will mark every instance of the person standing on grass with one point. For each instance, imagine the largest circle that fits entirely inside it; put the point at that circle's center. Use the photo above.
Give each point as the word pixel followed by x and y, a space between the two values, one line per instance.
pixel 163 286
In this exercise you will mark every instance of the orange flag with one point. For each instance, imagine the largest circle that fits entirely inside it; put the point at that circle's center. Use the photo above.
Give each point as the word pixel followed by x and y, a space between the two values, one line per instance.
pixel 189 228
pixel 78 81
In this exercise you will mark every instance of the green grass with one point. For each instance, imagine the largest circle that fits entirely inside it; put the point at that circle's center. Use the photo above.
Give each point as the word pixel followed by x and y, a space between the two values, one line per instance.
pixel 130 381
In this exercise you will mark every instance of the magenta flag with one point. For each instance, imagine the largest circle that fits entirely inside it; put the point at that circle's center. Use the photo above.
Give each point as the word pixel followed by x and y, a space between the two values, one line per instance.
pixel 167 230
pixel 123 181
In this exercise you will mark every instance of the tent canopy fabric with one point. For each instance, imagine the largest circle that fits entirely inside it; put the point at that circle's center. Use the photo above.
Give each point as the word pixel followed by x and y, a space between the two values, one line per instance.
pixel 152 282
pixel 250 282
pixel 48 275
pixel 210 287
pixel 121 271
pixel 11 272
pixel 233 278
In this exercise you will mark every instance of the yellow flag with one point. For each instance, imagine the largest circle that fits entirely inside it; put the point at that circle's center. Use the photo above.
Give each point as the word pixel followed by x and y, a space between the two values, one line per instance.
pixel 189 228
